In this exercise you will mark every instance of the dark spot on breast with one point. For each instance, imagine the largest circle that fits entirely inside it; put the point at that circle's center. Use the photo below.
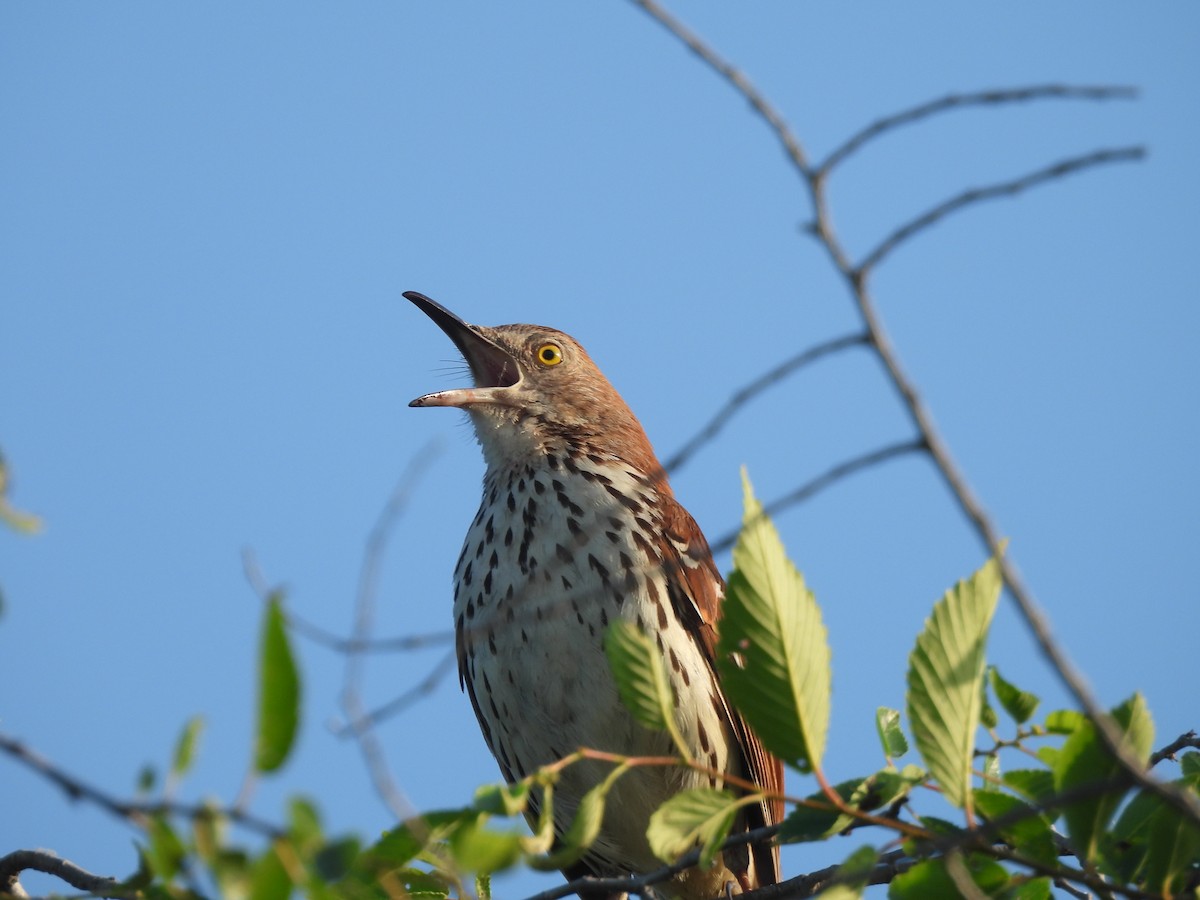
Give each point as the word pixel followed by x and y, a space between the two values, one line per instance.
pixel 628 502
pixel 598 566
pixel 487 582
pixel 613 536
pixel 563 553
pixel 552 461
pixel 466 576
pixel 508 538
pixel 566 583
pixel 512 502
pixel 539 487
pixel 492 641
pixel 493 561
pixel 674 659
pixel 569 462
pixel 524 637
pixel 521 485
pixel 603 617
pixel 705 746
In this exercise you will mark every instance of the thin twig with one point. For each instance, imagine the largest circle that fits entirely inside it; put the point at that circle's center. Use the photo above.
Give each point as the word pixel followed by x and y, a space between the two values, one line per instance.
pixel 359 722
pixel 791 146
pixel 339 644
pixel 995 191
pixel 13 864
pixel 978 98
pixel 134 812
pixel 423 688
pixel 856 277
pixel 1184 741
pixel 824 480
pixel 747 393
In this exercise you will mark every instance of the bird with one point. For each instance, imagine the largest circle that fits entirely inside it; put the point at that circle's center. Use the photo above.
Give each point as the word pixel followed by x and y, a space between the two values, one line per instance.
pixel 578 528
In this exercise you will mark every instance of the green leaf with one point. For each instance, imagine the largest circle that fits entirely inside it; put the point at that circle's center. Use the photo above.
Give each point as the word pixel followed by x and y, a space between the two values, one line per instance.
pixel 945 680
pixel 1032 784
pixel 1034 889
pixel 930 879
pixel 1064 721
pixel 1031 836
pixel 641 678
pixel 166 852
pixel 773 653
pixel 887 724
pixel 1152 843
pixel 885 787
pixel 503 799
pixel 851 878
pixel 278 691
pixel 698 816
pixel 1084 761
pixel 269 879
pixel 1019 704
pixel 185 747
pixel 1189 764
pixel 584 828
pixel 335 859
pixel 479 849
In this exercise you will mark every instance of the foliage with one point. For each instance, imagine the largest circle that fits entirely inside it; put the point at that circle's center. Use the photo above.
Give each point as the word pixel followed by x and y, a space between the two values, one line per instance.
pixel 1005 844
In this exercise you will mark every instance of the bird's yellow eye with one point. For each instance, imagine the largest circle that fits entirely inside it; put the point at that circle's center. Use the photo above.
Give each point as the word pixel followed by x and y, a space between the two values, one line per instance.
pixel 549 354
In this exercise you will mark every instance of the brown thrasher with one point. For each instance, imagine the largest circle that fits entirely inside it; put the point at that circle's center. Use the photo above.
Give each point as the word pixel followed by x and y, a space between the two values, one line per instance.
pixel 578 528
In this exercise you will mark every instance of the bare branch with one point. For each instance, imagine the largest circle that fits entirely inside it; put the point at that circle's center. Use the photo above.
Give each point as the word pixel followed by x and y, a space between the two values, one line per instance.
pixel 1184 741
pixel 359 722
pixel 339 644
pixel 12 865
pixel 994 191
pixel 393 707
pixel 739 82
pixel 748 392
pixel 136 813
pixel 825 479
pixel 856 278
pixel 978 98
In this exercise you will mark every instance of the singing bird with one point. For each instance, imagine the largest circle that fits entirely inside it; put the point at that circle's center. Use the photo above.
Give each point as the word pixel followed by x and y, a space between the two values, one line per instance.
pixel 578 528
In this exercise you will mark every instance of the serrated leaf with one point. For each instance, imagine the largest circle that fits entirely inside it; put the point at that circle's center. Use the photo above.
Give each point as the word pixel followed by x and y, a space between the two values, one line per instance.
pixel 278 691
pixel 891 737
pixel 1152 843
pixel 1032 784
pixel 641 678
pixel 773 653
pixel 945 681
pixel 1031 836
pixel 1084 761
pixel 1019 704
pixel 185 746
pixel 698 816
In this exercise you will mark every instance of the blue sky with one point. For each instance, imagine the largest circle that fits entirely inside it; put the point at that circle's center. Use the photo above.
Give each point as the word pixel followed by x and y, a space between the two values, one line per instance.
pixel 210 212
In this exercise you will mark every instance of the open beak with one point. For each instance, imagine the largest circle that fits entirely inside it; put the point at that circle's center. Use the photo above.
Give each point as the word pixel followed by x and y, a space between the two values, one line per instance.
pixel 491 365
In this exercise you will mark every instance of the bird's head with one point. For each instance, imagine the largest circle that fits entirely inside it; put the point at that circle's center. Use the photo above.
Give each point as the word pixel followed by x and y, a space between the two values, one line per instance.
pixel 536 391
